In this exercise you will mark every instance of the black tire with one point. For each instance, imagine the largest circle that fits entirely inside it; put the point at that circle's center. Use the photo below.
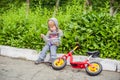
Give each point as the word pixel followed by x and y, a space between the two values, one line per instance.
pixel 59 64
pixel 93 71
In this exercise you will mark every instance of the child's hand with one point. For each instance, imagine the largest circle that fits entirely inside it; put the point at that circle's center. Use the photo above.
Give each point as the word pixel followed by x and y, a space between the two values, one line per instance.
pixel 42 35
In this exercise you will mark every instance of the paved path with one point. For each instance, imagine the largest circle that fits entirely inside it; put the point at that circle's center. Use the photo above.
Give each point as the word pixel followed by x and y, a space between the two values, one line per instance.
pixel 17 69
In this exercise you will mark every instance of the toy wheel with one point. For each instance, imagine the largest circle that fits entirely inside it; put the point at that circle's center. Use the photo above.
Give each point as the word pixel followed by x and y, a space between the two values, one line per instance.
pixel 58 64
pixel 94 68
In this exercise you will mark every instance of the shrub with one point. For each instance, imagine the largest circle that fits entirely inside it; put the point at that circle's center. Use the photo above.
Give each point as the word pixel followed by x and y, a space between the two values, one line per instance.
pixel 95 30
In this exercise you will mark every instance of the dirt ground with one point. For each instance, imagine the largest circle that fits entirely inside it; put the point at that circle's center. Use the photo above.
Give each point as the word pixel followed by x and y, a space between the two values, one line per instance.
pixel 18 69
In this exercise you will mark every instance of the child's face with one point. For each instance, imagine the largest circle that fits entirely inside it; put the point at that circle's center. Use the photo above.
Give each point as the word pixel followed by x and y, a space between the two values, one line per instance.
pixel 51 25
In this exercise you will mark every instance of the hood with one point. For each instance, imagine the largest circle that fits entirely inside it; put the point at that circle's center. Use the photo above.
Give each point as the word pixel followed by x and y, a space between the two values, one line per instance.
pixel 55 21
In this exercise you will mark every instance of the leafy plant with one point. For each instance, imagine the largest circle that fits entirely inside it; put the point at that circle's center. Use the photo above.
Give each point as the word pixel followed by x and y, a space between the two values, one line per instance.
pixel 95 30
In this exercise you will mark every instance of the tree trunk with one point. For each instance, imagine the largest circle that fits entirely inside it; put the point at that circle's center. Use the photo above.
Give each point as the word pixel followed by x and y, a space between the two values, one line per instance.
pixel 56 8
pixel 112 10
pixel 88 5
pixel 27 7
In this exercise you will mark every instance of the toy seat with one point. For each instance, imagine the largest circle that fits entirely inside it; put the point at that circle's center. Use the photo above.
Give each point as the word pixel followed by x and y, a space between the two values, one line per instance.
pixel 93 53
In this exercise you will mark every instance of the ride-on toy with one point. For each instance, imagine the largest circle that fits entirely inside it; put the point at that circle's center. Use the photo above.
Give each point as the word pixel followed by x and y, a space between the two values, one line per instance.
pixel 92 68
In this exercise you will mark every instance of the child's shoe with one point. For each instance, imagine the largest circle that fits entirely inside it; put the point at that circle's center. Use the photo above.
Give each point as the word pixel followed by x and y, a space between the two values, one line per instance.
pixel 51 60
pixel 39 61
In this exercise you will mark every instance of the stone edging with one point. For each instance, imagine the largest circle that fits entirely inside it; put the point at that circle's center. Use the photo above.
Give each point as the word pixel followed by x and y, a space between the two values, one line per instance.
pixel 29 54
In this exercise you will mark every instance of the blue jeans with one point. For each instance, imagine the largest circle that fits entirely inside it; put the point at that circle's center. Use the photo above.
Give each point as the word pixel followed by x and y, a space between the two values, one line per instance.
pixel 47 47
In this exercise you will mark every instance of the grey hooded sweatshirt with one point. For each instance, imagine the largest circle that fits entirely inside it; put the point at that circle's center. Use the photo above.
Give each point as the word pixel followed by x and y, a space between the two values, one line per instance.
pixel 50 34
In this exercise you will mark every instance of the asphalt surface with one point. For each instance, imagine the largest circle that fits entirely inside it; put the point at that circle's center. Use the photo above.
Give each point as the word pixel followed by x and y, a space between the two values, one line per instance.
pixel 18 69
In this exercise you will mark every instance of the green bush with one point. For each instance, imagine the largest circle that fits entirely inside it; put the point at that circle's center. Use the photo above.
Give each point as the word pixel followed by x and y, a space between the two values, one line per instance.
pixel 95 30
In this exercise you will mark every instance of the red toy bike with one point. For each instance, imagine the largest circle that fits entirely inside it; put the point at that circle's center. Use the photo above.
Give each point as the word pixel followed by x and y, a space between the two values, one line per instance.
pixel 92 68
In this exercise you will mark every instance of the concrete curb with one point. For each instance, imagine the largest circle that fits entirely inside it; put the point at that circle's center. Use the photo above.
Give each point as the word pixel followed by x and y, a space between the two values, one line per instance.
pixel 29 54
